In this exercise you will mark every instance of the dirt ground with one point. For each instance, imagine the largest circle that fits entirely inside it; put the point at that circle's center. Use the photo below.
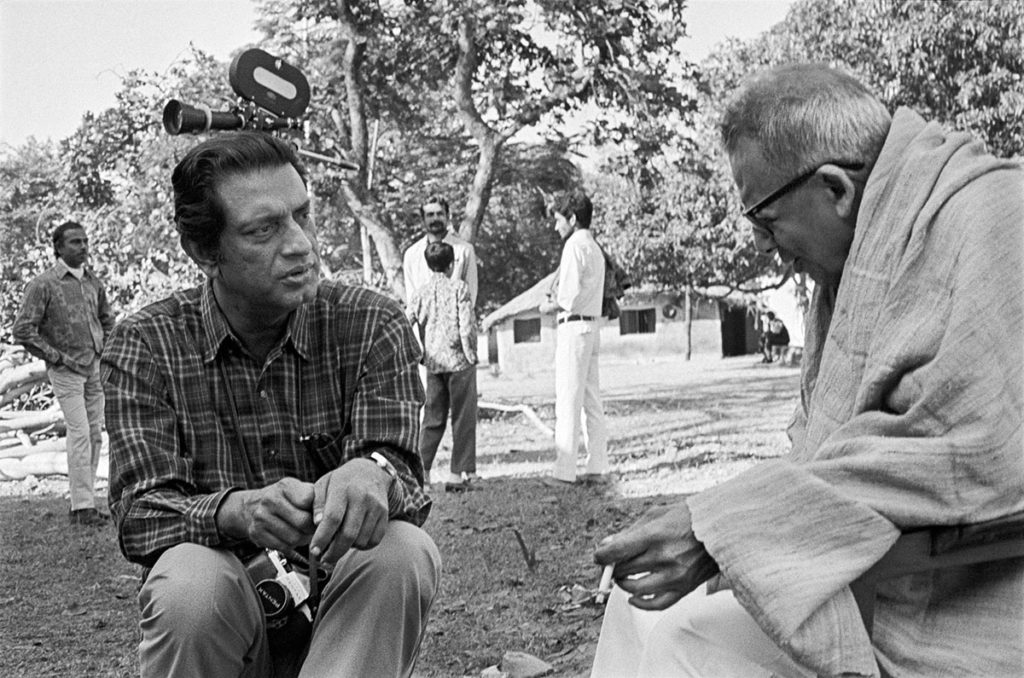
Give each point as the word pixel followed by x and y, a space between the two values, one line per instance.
pixel 518 573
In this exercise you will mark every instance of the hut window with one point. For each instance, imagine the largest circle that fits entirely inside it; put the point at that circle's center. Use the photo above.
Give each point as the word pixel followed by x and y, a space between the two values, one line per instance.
pixel 637 321
pixel 526 330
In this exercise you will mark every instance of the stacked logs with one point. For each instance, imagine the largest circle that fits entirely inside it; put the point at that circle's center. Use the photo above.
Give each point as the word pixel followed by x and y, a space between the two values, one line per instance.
pixel 32 440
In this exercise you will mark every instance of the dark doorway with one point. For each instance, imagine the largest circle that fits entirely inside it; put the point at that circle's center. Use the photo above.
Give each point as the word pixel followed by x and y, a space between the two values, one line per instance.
pixel 738 334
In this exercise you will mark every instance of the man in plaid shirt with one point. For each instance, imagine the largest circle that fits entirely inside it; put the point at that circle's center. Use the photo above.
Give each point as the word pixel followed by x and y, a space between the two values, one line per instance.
pixel 267 409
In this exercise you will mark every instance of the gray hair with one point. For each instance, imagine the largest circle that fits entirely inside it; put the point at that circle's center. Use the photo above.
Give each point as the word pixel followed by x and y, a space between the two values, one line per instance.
pixel 803 115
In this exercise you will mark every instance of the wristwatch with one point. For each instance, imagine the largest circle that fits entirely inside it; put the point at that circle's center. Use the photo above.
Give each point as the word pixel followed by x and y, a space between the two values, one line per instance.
pixel 382 461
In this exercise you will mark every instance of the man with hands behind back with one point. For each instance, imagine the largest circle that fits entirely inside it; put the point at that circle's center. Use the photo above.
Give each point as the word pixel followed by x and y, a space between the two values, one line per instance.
pixel 267 409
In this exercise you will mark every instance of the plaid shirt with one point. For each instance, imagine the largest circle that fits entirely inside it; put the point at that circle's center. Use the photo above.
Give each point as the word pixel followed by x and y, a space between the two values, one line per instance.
pixel 344 374
pixel 64 319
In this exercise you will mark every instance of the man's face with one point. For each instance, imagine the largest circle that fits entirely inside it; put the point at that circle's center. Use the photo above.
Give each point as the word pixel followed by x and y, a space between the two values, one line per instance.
pixel 74 248
pixel 266 265
pixel 564 226
pixel 435 220
pixel 805 229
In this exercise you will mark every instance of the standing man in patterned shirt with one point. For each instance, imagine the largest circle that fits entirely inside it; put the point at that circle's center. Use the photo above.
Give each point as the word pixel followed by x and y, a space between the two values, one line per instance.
pixel 267 409
pixel 444 311
pixel 63 321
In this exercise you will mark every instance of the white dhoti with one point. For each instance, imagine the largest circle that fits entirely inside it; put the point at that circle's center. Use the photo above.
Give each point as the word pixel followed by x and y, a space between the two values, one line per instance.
pixel 710 636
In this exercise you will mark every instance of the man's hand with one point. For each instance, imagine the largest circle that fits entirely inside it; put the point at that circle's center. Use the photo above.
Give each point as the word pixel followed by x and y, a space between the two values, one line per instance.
pixel 657 560
pixel 350 509
pixel 278 516
pixel 548 306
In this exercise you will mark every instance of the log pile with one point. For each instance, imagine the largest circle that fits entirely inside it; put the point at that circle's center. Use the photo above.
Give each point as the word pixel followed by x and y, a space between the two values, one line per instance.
pixel 32 432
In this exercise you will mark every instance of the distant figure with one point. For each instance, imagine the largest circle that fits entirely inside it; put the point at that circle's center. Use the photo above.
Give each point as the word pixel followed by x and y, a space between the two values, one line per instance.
pixel 435 214
pixel 443 310
pixel 64 320
pixel 774 338
pixel 577 303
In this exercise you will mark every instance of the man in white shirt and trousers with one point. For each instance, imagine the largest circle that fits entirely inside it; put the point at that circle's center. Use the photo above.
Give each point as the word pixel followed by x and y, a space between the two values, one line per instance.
pixel 577 302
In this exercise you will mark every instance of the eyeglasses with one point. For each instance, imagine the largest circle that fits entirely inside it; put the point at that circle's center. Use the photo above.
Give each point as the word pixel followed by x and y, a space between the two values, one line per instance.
pixel 750 213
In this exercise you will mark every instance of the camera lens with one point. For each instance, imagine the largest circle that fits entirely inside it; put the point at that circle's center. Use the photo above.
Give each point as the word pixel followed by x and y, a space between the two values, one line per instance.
pixel 275 598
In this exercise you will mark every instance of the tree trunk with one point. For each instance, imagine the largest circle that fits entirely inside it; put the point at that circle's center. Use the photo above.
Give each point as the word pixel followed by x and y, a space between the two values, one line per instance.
pixel 355 191
pixel 688 319
pixel 483 181
pixel 489 139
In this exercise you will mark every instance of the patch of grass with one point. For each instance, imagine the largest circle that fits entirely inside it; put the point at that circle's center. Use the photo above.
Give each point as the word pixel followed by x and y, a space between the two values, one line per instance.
pixel 67 595
pixel 492 601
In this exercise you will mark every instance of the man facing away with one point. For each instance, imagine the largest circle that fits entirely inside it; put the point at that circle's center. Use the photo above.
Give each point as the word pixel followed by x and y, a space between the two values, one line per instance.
pixel 577 304
pixel 435 214
pixel 444 312
pixel 912 399
pixel 64 320
pixel 267 409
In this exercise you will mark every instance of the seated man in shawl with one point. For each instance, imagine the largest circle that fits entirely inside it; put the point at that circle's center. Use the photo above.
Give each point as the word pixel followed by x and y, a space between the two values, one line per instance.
pixel 910 412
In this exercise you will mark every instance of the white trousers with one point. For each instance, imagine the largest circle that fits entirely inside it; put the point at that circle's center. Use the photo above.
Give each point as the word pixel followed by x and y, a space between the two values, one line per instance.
pixel 578 394
pixel 81 401
pixel 700 636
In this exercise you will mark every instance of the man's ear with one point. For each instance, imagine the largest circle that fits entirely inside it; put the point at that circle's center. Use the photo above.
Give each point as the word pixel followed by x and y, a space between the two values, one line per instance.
pixel 572 220
pixel 207 260
pixel 842 189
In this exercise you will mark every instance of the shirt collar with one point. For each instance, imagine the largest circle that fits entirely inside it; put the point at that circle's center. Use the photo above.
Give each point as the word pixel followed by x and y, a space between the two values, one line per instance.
pixel 216 329
pixel 61 269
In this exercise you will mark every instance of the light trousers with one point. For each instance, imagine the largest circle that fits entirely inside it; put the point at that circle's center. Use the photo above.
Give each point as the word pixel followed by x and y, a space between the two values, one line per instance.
pixel 455 391
pixel 201 616
pixel 578 408
pixel 701 636
pixel 81 400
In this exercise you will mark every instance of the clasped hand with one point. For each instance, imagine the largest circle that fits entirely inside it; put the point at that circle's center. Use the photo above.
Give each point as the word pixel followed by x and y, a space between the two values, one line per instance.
pixel 346 508
pixel 658 560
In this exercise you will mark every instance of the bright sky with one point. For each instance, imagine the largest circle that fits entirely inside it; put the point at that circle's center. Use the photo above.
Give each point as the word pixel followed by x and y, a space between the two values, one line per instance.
pixel 61 58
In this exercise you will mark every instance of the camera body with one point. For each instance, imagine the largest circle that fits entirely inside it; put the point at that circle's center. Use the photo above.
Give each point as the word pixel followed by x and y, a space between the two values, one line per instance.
pixel 283 591
pixel 273 96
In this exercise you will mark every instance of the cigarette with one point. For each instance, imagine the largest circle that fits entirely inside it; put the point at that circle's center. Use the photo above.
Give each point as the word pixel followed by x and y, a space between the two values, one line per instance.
pixel 605 586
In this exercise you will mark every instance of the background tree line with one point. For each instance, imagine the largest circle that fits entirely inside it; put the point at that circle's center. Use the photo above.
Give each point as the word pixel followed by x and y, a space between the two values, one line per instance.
pixel 491 104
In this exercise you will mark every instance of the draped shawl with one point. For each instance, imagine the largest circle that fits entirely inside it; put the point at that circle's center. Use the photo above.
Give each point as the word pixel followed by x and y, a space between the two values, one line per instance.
pixel 910 415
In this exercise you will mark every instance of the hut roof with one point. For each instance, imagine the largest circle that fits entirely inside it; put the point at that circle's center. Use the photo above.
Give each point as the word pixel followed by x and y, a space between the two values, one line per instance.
pixel 528 300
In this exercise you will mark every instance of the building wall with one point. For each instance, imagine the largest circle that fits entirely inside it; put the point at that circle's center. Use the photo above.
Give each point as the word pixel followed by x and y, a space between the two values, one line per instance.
pixel 669 338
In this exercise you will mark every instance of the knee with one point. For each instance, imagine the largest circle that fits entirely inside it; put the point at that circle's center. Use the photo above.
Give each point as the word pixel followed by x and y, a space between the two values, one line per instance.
pixel 196 590
pixel 407 559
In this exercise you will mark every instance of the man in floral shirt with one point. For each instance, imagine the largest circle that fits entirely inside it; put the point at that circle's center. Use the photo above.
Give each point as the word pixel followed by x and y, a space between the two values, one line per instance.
pixel 443 310
pixel 64 321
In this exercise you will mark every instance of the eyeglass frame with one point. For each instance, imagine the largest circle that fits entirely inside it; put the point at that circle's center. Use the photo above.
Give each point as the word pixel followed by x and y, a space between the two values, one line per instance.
pixel 750 213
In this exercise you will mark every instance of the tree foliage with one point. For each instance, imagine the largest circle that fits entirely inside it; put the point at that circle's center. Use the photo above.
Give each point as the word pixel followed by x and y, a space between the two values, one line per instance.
pixel 489 103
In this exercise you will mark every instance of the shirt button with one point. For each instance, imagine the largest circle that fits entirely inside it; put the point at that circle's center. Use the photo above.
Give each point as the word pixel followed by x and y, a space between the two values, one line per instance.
pixel 271 453
pixel 263 394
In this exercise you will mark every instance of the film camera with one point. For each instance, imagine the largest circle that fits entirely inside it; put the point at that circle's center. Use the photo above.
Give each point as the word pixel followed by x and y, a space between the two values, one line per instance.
pixel 272 97
pixel 284 589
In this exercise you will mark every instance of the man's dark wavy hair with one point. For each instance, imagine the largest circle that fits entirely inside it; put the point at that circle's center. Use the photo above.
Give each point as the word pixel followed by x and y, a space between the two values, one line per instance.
pixel 439 256
pixel 58 234
pixel 574 202
pixel 198 212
